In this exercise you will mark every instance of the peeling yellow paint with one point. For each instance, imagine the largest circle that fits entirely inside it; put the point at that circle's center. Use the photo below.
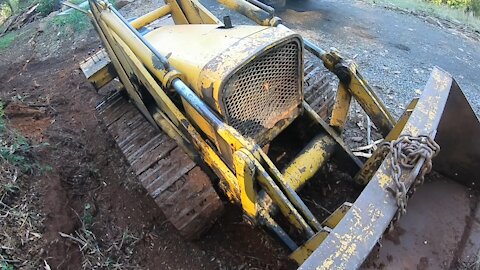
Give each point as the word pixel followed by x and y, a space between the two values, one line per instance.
pixel 384 180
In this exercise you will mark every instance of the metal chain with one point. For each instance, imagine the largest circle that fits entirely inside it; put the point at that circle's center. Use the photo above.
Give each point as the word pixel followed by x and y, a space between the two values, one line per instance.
pixel 406 152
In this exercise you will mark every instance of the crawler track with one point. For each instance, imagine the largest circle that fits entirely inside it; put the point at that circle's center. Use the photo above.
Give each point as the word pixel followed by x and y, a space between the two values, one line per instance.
pixel 179 187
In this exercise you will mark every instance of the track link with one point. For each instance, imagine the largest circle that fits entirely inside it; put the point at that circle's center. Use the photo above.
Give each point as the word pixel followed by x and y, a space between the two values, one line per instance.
pixel 319 88
pixel 179 187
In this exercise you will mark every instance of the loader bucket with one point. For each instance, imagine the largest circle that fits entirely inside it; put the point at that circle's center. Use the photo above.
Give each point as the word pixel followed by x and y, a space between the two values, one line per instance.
pixel 442 113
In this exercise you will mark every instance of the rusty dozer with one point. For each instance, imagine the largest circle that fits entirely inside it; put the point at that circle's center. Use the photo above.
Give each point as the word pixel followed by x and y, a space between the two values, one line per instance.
pixel 246 112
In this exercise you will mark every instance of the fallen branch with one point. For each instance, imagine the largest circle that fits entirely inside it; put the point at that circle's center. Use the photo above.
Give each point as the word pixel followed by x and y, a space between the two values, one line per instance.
pixel 8 24
pixel 362 154
pixel 80 241
pixel 46 266
pixel 319 206
pixel 19 20
pixel 368 146
pixel 76 7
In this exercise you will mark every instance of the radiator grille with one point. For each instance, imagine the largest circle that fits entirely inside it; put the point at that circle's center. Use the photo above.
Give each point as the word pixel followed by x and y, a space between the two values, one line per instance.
pixel 265 91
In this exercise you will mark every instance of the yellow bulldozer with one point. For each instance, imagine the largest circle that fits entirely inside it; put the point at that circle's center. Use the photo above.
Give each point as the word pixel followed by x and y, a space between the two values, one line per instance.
pixel 210 111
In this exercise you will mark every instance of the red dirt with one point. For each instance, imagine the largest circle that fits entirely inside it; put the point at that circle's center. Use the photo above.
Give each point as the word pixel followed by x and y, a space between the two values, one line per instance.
pixel 55 104
pixel 29 121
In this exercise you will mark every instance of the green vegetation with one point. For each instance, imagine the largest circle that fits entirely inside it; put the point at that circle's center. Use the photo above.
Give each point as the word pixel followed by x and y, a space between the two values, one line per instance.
pixel 12 7
pixel 5 12
pixel 45 7
pixel 116 254
pixel 475 7
pixel 451 3
pixel 6 266
pixel 87 215
pixel 13 147
pixel 462 11
pixel 3 125
pixel 20 221
pixel 472 6
pixel 76 20
pixel 7 40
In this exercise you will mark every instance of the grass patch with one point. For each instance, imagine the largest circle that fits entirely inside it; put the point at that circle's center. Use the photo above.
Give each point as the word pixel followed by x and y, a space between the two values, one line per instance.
pixel 437 10
pixel 7 40
pixel 115 253
pixel 45 7
pixel 76 20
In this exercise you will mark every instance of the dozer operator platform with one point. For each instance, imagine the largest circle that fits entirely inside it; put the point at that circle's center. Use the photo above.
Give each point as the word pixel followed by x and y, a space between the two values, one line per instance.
pixel 254 114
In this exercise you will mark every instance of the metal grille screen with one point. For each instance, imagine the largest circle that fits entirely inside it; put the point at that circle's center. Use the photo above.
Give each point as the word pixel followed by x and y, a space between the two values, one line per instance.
pixel 264 91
